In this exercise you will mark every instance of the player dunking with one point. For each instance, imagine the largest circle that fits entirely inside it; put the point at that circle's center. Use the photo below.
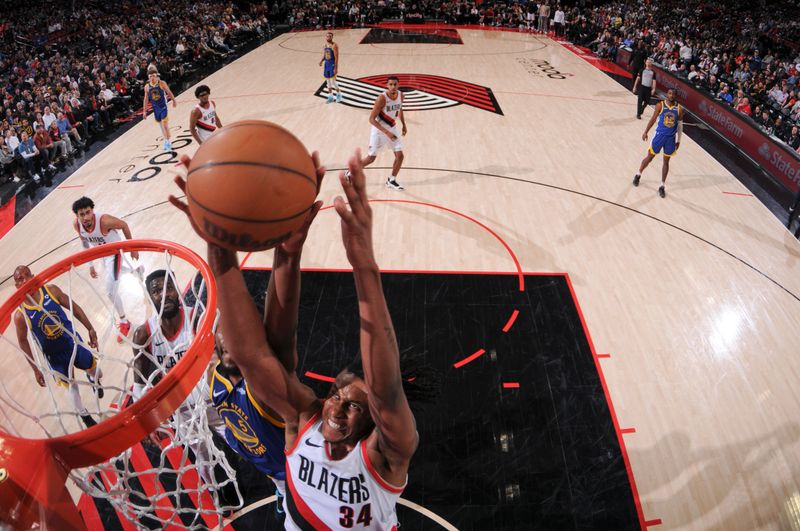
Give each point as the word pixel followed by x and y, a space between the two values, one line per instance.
pixel 364 434
pixel 97 229
pixel 330 57
pixel 156 92
pixel 55 336
pixel 388 108
pixel 254 429
pixel 668 137
pixel 204 119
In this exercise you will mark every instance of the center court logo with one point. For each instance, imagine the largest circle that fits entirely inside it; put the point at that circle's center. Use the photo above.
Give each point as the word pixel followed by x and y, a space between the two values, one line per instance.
pixel 421 92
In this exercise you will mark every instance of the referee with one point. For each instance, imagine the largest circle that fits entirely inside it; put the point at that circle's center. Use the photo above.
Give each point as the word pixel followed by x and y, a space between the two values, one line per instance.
pixel 646 82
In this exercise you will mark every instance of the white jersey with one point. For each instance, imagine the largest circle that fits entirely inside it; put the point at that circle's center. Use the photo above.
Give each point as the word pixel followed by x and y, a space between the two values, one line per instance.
pixel 96 237
pixel 167 351
pixel 391 109
pixel 326 494
pixel 207 123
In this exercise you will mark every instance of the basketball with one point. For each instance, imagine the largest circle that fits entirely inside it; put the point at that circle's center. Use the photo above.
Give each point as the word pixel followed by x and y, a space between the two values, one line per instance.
pixel 250 185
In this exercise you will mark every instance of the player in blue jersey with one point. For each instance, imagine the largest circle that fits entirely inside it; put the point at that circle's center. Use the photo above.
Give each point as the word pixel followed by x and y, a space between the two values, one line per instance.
pixel 668 137
pixel 156 92
pixel 44 316
pixel 330 58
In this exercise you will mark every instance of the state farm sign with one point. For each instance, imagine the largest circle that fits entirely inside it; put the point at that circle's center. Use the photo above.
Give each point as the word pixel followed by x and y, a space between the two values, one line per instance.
pixel 773 156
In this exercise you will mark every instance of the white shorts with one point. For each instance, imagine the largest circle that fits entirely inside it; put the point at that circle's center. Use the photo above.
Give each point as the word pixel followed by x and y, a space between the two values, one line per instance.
pixel 377 140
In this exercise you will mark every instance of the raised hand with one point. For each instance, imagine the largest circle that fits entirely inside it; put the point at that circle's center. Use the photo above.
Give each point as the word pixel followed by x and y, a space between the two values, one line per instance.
pixel 294 244
pixel 356 216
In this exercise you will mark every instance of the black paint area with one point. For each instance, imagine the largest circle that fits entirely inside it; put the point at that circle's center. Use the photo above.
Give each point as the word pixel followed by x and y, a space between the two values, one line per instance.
pixel 400 36
pixel 544 456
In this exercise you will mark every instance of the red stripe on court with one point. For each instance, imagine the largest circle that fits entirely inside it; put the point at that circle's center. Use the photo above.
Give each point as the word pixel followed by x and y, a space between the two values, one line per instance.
pixel 511 321
pixel 468 218
pixel 71 186
pixel 89 513
pixel 190 481
pixel 245 259
pixel 470 358
pixel 604 355
pixel 739 194
pixel 320 377
pixel 510 385
pixel 627 430
pixel 651 523
pixel 150 483
pixel 637 501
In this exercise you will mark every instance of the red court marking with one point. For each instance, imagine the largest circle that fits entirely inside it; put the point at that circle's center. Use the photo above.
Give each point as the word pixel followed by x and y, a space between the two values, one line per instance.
pixel 321 377
pixel 627 430
pixel 604 355
pixel 190 483
pixel 651 523
pixel 245 259
pixel 637 501
pixel 150 482
pixel 71 186
pixel 89 513
pixel 511 321
pixel 510 385
pixel 739 194
pixel 468 218
pixel 470 358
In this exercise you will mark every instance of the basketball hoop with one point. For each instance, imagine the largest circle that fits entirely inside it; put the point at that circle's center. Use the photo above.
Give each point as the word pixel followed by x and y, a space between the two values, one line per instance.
pixel 33 471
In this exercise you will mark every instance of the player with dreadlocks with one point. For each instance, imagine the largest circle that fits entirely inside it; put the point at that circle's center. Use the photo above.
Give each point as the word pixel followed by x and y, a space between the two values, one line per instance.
pixel 347 457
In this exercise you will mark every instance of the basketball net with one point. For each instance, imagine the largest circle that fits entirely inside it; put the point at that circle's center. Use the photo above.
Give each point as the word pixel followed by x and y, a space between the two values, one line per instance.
pixel 176 478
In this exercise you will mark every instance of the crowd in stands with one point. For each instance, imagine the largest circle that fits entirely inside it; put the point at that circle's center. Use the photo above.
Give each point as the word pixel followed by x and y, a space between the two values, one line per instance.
pixel 72 72
pixel 745 55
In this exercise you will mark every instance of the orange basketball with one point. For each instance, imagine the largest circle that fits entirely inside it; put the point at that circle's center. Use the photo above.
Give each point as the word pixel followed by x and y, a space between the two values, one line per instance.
pixel 250 185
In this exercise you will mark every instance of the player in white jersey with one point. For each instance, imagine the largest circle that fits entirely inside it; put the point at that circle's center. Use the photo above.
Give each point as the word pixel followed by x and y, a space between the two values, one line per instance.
pixel 204 119
pixel 386 111
pixel 158 345
pixel 347 456
pixel 96 228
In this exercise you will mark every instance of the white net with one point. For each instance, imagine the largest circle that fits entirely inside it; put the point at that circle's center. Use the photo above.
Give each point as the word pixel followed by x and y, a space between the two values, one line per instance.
pixel 179 475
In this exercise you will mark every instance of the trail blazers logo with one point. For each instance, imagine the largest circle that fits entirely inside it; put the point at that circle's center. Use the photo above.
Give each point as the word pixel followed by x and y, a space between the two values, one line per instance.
pixel 421 92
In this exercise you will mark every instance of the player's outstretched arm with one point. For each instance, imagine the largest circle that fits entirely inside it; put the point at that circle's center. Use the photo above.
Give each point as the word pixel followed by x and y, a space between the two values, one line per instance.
pixel 283 291
pixel 245 339
pixel 63 299
pixel 396 433
pixel 22 339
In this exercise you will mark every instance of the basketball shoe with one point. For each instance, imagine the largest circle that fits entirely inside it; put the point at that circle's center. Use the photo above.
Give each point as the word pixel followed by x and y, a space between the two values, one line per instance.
pixel 394 185
pixel 124 329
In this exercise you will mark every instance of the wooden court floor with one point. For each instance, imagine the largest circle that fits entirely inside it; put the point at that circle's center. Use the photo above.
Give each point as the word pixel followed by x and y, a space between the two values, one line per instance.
pixel 692 302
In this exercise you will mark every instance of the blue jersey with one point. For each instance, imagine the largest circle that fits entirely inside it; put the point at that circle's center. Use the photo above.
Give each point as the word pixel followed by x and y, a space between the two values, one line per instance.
pixel 668 120
pixel 330 61
pixel 54 332
pixel 157 96
pixel 251 431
